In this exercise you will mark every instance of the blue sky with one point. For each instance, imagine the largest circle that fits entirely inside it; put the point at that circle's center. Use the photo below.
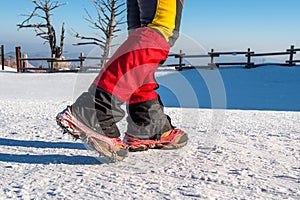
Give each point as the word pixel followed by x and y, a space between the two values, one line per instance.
pixel 263 25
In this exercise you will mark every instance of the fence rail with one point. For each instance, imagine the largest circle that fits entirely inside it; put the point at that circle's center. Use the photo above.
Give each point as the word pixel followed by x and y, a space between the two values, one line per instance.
pixel 248 63
pixel 21 63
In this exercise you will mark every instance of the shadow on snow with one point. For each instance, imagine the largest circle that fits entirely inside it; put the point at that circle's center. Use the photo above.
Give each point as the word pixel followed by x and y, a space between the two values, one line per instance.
pixel 46 159
pixel 41 144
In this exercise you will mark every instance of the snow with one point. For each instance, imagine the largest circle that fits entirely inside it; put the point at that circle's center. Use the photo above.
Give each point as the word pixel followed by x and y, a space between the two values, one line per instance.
pixel 246 147
pixel 8 69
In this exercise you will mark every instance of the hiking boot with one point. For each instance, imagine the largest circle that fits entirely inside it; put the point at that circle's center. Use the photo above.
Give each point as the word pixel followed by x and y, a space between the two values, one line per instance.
pixel 64 121
pixel 172 139
pixel 112 148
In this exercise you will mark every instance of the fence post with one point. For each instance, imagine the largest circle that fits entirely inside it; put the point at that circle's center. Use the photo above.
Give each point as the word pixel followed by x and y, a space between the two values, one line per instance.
pixel 212 59
pixel 180 60
pixel 249 64
pixel 24 63
pixel 18 59
pixel 291 55
pixel 81 57
pixel 2 56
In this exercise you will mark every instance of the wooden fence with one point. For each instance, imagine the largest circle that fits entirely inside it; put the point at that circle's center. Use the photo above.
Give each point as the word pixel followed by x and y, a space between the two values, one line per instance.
pixel 84 58
pixel 2 56
pixel 22 61
pixel 248 63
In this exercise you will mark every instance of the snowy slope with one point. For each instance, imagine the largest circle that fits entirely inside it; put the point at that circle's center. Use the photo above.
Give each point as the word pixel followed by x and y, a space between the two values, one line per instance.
pixel 232 154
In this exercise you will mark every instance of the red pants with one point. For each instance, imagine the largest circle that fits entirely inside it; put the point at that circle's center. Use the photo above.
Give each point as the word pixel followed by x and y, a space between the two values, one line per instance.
pixel 154 26
pixel 129 75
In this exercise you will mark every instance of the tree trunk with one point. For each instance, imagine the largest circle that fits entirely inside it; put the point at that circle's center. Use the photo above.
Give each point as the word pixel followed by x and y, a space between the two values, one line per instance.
pixel 109 36
pixel 61 45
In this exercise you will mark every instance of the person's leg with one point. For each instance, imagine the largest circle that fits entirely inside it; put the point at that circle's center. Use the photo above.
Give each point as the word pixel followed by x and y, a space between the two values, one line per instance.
pixel 99 110
pixel 125 78
pixel 92 119
pixel 129 74
pixel 129 68
pixel 122 76
pixel 146 118
pixel 133 15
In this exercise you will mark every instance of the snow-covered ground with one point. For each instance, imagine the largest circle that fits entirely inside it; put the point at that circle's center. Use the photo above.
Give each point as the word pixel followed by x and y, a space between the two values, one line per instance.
pixel 231 154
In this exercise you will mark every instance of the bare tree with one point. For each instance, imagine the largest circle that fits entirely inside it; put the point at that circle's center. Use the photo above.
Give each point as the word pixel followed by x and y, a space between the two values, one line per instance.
pixel 45 29
pixel 109 18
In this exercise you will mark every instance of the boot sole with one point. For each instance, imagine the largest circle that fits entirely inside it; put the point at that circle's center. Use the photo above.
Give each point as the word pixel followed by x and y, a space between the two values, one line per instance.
pixel 181 143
